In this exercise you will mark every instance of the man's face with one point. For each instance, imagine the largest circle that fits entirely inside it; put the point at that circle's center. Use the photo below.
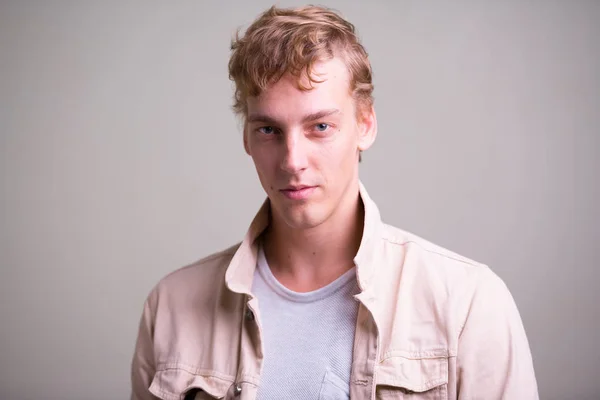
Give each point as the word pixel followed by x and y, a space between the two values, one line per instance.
pixel 305 144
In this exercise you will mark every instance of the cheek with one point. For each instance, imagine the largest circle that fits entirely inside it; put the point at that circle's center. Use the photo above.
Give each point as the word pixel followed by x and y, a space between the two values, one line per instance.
pixel 261 164
pixel 343 149
pixel 335 159
pixel 265 164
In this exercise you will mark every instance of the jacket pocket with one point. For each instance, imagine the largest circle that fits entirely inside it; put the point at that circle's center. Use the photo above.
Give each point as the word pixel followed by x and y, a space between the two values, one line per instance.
pixel 177 382
pixel 412 378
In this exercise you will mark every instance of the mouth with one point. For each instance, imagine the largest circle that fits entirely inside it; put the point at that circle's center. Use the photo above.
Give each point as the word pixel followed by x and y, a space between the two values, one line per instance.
pixel 298 192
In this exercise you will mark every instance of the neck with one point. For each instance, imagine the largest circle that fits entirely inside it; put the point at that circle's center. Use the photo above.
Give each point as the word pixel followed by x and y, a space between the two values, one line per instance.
pixel 307 259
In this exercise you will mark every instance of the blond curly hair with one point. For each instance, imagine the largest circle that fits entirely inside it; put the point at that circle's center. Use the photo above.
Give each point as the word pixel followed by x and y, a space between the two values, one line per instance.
pixel 291 40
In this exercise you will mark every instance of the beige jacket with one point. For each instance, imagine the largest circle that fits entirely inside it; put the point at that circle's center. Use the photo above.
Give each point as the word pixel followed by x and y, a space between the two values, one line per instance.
pixel 431 325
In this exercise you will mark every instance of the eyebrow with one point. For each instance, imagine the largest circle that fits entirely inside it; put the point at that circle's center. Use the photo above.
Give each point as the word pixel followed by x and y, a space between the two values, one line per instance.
pixel 309 117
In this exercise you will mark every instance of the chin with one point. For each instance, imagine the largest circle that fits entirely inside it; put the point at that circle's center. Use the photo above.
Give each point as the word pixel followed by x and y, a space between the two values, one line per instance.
pixel 302 225
pixel 302 219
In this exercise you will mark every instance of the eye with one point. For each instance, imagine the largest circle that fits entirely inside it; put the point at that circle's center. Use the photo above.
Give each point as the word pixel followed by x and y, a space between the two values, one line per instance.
pixel 267 130
pixel 322 127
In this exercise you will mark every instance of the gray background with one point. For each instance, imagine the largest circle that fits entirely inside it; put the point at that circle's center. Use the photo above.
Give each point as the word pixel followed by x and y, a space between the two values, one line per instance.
pixel 120 161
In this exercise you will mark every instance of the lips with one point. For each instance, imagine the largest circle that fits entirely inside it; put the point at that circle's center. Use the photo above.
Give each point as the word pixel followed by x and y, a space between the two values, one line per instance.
pixel 298 187
pixel 298 192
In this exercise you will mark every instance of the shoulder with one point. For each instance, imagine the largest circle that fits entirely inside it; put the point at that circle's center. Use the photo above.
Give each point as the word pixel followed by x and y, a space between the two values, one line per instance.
pixel 200 278
pixel 426 253
pixel 423 284
pixel 417 244
pixel 436 268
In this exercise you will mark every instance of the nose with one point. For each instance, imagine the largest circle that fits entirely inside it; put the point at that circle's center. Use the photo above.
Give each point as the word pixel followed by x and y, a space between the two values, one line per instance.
pixel 295 152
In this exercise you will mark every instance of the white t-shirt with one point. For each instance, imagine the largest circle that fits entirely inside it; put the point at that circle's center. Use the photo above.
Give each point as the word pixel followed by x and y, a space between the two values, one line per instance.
pixel 307 337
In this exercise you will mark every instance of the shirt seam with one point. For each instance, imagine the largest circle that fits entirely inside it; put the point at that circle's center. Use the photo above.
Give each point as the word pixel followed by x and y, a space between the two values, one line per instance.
pixel 448 256
pixel 195 371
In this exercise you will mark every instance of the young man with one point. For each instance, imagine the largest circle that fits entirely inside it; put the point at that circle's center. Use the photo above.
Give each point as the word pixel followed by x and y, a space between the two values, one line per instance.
pixel 322 300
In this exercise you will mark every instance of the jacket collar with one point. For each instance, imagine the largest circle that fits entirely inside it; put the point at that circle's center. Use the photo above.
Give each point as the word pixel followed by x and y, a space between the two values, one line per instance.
pixel 240 272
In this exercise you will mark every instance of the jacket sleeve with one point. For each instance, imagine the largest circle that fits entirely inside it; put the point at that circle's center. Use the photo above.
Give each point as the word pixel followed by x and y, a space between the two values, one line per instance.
pixel 494 359
pixel 143 363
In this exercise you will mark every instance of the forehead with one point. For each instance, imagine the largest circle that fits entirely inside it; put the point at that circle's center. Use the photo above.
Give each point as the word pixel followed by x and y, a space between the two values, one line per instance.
pixel 284 99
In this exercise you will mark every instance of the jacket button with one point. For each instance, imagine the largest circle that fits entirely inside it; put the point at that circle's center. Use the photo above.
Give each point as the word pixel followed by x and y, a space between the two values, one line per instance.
pixel 249 315
pixel 237 389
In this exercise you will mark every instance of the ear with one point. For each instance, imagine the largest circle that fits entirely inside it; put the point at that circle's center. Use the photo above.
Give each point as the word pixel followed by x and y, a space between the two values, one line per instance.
pixel 367 129
pixel 245 135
